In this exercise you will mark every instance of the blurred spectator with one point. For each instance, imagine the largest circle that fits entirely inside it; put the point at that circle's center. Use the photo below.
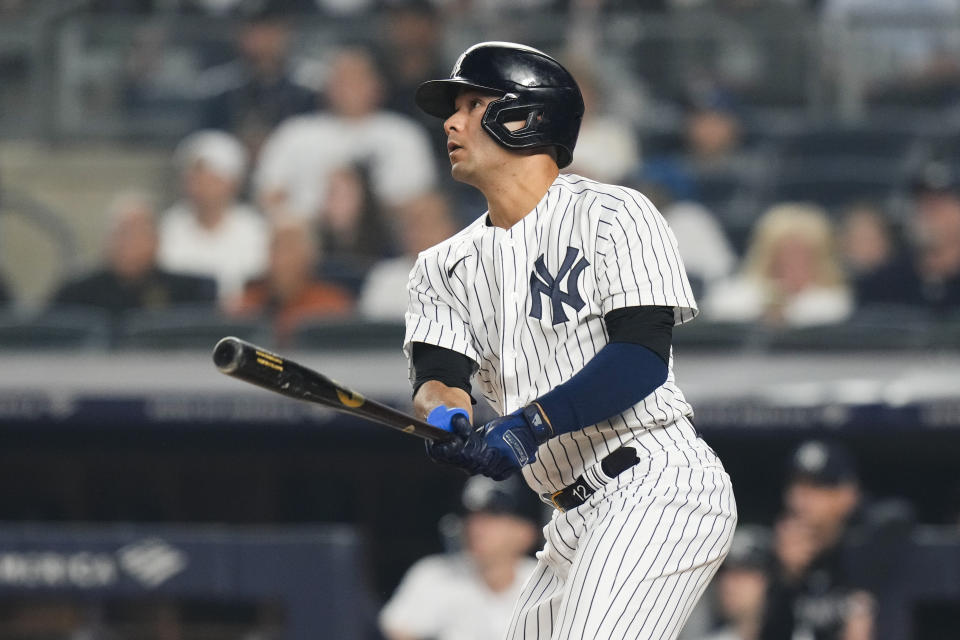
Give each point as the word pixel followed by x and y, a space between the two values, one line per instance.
pixel 928 276
pixel 607 146
pixel 470 595
pixel 290 293
pixel 714 133
pixel 422 222
pixel 791 274
pixel 297 160
pixel 711 162
pixel 704 248
pixel 411 53
pixel 353 229
pixel 209 232
pixel 251 95
pixel 866 239
pixel 741 584
pixel 130 278
pixel 836 553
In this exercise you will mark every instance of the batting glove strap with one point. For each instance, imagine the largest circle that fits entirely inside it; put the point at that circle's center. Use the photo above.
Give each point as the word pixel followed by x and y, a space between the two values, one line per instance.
pixel 539 423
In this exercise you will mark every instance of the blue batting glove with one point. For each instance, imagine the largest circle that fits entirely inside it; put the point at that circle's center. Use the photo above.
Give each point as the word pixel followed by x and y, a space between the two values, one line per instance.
pixel 513 441
pixel 442 416
pixel 496 449
pixel 457 422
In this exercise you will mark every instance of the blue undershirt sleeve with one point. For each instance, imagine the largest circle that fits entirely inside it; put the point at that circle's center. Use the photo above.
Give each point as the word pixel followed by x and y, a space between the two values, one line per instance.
pixel 618 377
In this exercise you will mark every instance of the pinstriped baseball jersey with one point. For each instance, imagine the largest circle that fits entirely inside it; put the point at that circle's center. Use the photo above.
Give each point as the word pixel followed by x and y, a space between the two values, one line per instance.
pixel 526 304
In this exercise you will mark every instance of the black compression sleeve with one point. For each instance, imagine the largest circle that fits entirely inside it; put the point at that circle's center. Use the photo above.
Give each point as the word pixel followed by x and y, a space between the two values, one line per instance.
pixel 431 362
pixel 651 327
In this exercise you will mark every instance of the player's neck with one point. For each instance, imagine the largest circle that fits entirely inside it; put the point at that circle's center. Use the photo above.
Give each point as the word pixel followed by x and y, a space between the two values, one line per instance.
pixel 499 576
pixel 518 189
pixel 748 627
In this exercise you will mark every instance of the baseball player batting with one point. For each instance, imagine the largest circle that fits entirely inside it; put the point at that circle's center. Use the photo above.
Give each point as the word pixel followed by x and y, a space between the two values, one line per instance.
pixel 560 303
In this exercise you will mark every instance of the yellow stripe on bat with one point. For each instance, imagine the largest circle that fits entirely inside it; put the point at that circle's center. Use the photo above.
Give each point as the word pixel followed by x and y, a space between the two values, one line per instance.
pixel 269 356
pixel 350 399
pixel 267 363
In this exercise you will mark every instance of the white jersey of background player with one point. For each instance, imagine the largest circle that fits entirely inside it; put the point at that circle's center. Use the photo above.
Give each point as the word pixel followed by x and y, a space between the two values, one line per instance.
pixel 470 594
pixel 560 302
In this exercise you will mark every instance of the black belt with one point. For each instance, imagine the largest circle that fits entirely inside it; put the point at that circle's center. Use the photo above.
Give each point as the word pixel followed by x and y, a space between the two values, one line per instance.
pixel 574 495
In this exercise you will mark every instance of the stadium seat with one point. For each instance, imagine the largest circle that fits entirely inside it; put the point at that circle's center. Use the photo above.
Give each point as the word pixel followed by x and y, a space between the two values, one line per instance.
pixel 703 335
pixel 61 328
pixel 662 143
pixel 187 328
pixel 733 196
pixel 867 331
pixel 834 186
pixel 946 333
pixel 347 334
pixel 845 142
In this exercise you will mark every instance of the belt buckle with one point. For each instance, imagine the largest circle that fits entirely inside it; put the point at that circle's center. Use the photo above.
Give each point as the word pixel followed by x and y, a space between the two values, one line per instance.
pixel 553 501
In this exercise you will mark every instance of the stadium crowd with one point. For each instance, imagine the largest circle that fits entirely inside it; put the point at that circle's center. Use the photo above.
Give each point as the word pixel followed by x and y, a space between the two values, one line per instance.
pixel 303 203
pixel 297 203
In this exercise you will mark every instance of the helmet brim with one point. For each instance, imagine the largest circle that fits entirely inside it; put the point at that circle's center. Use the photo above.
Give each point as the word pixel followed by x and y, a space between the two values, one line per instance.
pixel 436 97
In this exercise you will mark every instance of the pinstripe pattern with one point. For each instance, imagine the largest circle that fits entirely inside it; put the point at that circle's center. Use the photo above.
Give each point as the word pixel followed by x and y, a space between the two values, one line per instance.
pixel 632 561
pixel 472 294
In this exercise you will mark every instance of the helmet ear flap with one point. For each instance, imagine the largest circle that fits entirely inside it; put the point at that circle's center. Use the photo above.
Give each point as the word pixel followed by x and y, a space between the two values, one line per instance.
pixel 500 112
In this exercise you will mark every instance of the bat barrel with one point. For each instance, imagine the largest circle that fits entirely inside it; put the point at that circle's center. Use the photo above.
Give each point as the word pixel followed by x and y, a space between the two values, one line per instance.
pixel 228 354
pixel 255 365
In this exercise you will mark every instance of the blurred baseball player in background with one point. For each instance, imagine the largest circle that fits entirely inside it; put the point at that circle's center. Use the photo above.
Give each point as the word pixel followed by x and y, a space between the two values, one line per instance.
pixel 837 552
pixel 742 583
pixel 469 595
pixel 561 301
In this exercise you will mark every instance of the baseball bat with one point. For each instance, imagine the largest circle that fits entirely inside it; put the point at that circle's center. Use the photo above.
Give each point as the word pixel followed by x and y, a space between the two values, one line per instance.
pixel 248 362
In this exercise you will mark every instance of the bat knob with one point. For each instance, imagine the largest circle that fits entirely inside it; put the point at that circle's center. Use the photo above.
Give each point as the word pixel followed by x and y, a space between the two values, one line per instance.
pixel 227 354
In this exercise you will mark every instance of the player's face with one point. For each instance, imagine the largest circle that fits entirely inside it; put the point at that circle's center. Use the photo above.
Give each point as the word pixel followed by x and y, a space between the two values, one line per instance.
pixel 133 244
pixel 821 507
pixel 473 153
pixel 741 592
pixel 491 537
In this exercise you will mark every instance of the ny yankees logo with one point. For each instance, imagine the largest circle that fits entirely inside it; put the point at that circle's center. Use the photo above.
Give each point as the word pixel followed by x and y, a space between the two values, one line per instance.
pixel 541 282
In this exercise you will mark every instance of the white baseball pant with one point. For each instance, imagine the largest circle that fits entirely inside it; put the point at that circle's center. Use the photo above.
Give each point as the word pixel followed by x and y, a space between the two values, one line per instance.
pixel 632 561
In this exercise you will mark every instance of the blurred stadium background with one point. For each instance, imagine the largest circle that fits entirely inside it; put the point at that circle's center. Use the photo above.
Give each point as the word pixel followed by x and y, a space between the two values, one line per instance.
pixel 143 495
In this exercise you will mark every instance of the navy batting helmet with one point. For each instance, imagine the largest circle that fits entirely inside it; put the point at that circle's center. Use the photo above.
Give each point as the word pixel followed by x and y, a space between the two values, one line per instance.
pixel 508 497
pixel 533 88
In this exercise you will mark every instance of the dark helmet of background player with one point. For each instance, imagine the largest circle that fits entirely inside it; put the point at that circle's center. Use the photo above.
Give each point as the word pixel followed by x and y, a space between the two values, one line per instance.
pixel 481 495
pixel 821 463
pixel 751 548
pixel 505 497
pixel 533 88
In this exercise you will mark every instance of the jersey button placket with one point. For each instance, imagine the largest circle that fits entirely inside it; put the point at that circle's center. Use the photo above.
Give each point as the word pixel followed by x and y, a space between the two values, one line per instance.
pixel 508 359
pixel 513 311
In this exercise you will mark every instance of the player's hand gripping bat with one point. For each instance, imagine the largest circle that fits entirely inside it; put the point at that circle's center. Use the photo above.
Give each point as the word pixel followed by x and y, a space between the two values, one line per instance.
pixel 253 364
